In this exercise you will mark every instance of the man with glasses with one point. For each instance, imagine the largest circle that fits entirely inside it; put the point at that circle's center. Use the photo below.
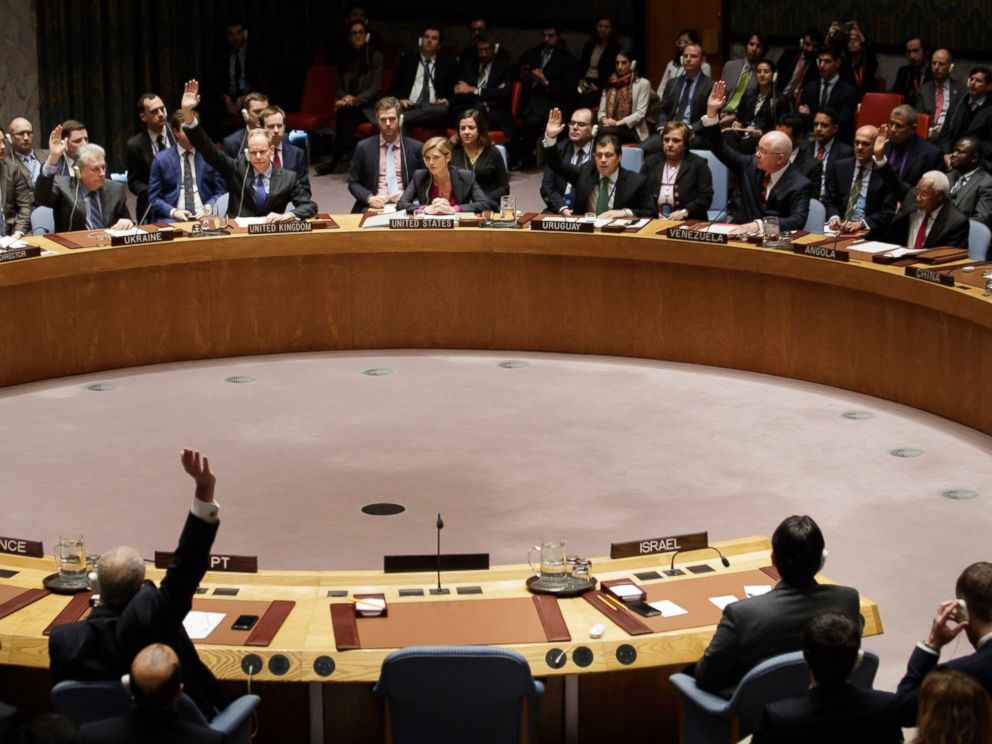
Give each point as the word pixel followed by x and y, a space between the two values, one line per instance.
pixel 684 99
pixel 261 190
pixel 909 155
pixel 915 72
pixel 936 94
pixel 153 138
pixel 576 151
pixel 22 151
pixel 856 196
pixel 382 166
pixel 16 196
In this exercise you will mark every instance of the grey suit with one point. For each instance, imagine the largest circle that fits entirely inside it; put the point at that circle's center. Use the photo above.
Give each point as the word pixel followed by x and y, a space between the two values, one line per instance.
pixel 41 155
pixel 732 74
pixel 15 190
pixel 66 198
pixel 974 198
pixel 759 628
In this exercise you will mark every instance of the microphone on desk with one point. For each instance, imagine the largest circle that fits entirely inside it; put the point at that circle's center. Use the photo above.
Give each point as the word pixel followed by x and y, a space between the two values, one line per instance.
pixel 145 215
pixel 440 526
pixel 723 558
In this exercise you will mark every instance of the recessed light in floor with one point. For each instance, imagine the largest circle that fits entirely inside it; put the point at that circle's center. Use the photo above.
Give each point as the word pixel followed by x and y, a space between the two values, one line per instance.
pixel 101 387
pixel 513 364
pixel 377 371
pixel 906 452
pixel 858 415
pixel 239 379
pixel 959 494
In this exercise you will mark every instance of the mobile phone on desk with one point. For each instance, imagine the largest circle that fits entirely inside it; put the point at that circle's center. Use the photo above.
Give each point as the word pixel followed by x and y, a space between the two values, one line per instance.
pixel 642 608
pixel 245 622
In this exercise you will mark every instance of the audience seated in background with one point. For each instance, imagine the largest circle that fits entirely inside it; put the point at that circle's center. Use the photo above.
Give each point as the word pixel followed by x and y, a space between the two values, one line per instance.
pixel 739 76
pixel 797 66
pixel 936 94
pixel 383 166
pixel 284 153
pixel 473 150
pixel 596 61
pixel 674 68
pixel 134 612
pixel 440 187
pixel 971 187
pixel 22 151
pixel 795 127
pixel 970 115
pixel 239 68
pixel 909 154
pixel 485 83
pixel 954 709
pixel 477 28
pixel 911 76
pixel 75 135
pixel 601 185
pixel 358 86
pixel 424 83
pixel 156 686
pixel 856 195
pixel 254 104
pixel 833 710
pixel 575 150
pixel 770 186
pixel 684 98
pixel 759 110
pixel 824 146
pixel 680 183
pixel 624 104
pixel 860 65
pixel 16 195
pixel 759 628
pixel 181 181
pixel 153 138
pixel 831 91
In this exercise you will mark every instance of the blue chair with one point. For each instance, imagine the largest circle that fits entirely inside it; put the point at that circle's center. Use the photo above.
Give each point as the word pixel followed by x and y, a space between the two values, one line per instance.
pixel 220 206
pixel 979 236
pixel 42 221
pixel 718 206
pixel 85 702
pixel 708 718
pixel 632 158
pixel 502 151
pixel 817 216
pixel 458 693
pixel 119 177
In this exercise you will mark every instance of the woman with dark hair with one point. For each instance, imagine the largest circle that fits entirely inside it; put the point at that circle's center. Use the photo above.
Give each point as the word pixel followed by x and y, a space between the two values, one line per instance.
pixel 859 66
pixel 624 104
pixel 759 110
pixel 441 188
pixel 596 61
pixel 359 81
pixel 953 709
pixel 680 182
pixel 674 68
pixel 474 151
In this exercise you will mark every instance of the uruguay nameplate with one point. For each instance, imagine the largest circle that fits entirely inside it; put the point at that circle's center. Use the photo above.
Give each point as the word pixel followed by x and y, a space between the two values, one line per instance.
pixel 414 224
pixel 821 251
pixel 929 275
pixel 698 236
pixel 19 546
pixel 280 227
pixel 142 237
pixel 655 545
pixel 566 226
pixel 16 254
pixel 228 563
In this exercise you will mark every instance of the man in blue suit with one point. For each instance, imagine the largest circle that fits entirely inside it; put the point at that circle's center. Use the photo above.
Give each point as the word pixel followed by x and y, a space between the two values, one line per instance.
pixel 173 198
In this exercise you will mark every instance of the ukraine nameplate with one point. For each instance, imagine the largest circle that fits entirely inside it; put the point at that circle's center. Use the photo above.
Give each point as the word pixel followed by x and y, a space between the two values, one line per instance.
pixel 140 238
pixel 655 545
pixel 280 227
pixel 698 236
pixel 929 275
pixel 19 546
pixel 415 224
pixel 16 254
pixel 566 226
pixel 821 251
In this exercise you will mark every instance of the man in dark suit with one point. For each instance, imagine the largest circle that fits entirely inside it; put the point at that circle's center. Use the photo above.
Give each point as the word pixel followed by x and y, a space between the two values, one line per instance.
pixel 755 629
pixel 142 148
pixel 970 612
pixel 425 82
pixel 684 99
pixel 239 67
pixel 797 66
pixel 257 188
pixel 856 196
pixel 23 152
pixel 156 686
pixel 16 196
pixel 911 76
pixel 971 187
pixel 75 135
pixel 134 612
pixel 91 201
pixel 833 710
pixel 936 94
pixel 831 91
pixel 181 181
pixel 370 181
pixel 286 154
pixel 485 83
pixel 824 145
pixel 970 115
pixel 601 185
pixel 254 104
pixel 770 186
pixel 575 150
pixel 909 154
pixel 795 128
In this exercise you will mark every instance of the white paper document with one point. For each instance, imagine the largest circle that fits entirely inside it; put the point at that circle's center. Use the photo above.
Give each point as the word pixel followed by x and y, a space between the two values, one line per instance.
pixel 873 246
pixel 201 624
pixel 123 233
pixel 625 590
pixel 721 228
pixel 900 252
pixel 723 600
pixel 668 608
pixel 245 221
pixel 8 242
pixel 756 590
pixel 382 220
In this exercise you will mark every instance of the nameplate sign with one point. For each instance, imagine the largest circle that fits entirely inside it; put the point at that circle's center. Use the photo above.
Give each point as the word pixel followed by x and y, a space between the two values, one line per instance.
pixel 698 236
pixel 280 227
pixel 562 226
pixel 821 251
pixel 140 238
pixel 929 275
pixel 412 223
pixel 228 563
pixel 655 545
pixel 16 254
pixel 18 546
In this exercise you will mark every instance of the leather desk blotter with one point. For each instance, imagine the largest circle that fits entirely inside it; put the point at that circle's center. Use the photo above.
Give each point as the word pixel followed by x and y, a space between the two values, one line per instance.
pixel 271 616
pixel 78 607
pixel 13 598
pixel 534 619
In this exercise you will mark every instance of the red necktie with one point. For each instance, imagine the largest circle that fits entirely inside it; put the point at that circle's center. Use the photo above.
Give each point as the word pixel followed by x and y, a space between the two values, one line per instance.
pixel 821 152
pixel 940 104
pixel 764 190
pixel 277 161
pixel 921 234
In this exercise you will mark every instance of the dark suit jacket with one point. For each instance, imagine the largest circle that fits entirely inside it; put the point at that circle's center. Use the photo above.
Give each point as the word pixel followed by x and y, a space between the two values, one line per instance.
pixel 786 65
pixel 103 646
pixel 921 156
pixel 18 197
pixel 562 72
pixel 789 200
pixel 978 665
pixel 693 183
pixel 838 151
pixel 950 227
pixel 464 189
pixel 673 94
pixel 767 114
pixel 827 715
pixel 880 203
pixel 974 199
pixel 363 176
pixel 926 99
pixel 236 142
pixel 843 99
pixel 293 157
pixel 962 122
pixel 809 166
pixel 496 93
pixel 42 156
pixel 139 165
pixel 552 184
pixel 759 628
pixel 607 60
pixel 283 189
pixel 363 81
pixel 490 173
pixel 904 81
pixel 166 175
pixel 60 193
pixel 149 727
pixel 445 76
pixel 631 191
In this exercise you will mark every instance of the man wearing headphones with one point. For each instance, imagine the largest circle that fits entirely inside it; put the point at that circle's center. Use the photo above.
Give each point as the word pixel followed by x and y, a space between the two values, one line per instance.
pixel 425 82
pixel 383 166
pixel 752 630
pixel 254 104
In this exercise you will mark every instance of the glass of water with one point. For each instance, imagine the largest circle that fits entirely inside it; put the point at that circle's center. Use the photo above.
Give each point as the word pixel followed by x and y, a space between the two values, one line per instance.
pixel 70 554
pixel 772 232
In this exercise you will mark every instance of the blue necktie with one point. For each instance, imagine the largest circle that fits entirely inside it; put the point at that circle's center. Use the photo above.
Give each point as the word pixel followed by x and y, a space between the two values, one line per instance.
pixel 188 203
pixel 390 169
pixel 260 195
pixel 94 215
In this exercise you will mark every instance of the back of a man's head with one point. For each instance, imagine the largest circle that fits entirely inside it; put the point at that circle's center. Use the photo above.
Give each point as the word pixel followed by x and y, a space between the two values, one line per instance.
pixel 974 586
pixel 797 549
pixel 830 647
pixel 119 574
pixel 156 678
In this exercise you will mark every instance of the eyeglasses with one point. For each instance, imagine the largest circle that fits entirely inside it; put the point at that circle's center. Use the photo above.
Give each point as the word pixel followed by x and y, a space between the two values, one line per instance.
pixel 579 124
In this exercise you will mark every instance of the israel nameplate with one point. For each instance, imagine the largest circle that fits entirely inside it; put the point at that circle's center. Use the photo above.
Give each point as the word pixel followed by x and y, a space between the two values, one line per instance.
pixel 655 545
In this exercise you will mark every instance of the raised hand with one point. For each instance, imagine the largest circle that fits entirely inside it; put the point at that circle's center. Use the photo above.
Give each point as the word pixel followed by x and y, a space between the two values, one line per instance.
pixel 718 97
pixel 56 145
pixel 555 125
pixel 199 470
pixel 191 95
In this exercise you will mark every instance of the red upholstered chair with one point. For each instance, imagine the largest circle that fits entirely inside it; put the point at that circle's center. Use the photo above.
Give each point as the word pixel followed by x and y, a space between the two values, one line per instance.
pixel 876 107
pixel 923 125
pixel 317 109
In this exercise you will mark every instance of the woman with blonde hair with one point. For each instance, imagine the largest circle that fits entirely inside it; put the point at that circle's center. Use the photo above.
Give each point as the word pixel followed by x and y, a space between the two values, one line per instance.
pixel 440 188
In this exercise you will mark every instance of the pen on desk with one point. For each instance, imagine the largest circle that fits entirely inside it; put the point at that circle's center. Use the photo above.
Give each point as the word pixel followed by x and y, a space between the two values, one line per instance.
pixel 613 600
pixel 602 598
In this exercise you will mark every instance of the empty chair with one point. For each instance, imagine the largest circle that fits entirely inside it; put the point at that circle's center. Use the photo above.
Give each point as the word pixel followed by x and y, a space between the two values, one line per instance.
pixel 458 694
pixel 979 236
pixel 42 221
pixel 711 719
pixel 718 206
pixel 876 107
pixel 632 158
pixel 502 151
pixel 817 216
pixel 317 108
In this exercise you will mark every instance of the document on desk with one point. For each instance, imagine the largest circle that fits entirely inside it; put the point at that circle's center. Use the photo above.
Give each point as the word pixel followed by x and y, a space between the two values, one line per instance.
pixel 201 624
pixel 723 600
pixel 721 228
pixel 756 590
pixel 873 246
pixel 124 233
pixel 668 608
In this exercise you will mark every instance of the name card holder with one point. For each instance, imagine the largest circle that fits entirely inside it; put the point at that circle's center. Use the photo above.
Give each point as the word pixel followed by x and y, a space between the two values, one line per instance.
pixel 821 251
pixel 412 223
pixel 566 226
pixel 16 254
pixel 697 236
pixel 225 563
pixel 930 275
pixel 19 546
pixel 280 227
pixel 656 545
pixel 159 236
